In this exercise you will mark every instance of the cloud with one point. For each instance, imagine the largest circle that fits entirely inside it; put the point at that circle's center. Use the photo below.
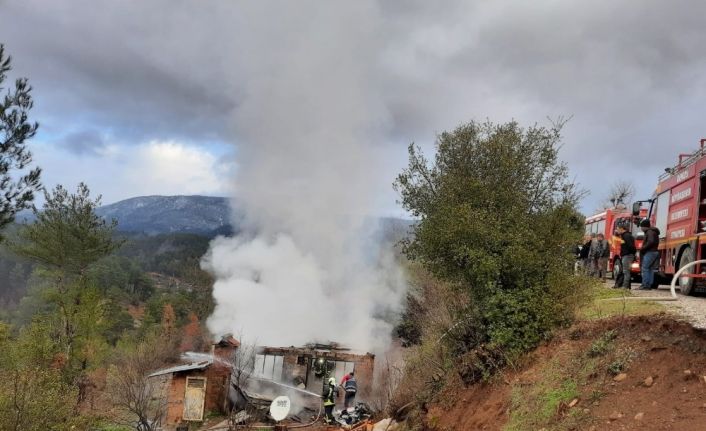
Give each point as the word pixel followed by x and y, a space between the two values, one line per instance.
pixel 149 168
pixel 173 168
pixel 629 74
pixel 84 142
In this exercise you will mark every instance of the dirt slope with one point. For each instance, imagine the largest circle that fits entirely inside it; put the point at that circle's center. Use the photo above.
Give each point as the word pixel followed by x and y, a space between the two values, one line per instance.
pixel 631 373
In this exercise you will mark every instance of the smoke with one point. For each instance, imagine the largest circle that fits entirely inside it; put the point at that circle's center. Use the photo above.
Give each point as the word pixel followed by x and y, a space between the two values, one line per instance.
pixel 309 126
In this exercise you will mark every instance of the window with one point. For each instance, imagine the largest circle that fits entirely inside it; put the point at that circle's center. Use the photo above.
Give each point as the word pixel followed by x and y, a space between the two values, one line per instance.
pixel 600 226
pixel 662 213
pixel 269 367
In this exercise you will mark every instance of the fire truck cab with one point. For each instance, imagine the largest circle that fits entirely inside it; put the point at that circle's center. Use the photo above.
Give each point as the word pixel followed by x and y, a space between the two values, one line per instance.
pixel 678 210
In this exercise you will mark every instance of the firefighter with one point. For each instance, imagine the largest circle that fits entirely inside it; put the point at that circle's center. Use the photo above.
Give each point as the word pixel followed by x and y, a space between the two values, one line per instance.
pixel 649 254
pixel 329 396
pixel 350 387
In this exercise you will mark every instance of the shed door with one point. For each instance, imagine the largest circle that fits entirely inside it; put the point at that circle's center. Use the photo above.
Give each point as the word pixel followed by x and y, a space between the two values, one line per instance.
pixel 194 398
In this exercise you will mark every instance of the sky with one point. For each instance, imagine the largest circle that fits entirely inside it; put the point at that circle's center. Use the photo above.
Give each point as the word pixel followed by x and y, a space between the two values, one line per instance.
pixel 139 98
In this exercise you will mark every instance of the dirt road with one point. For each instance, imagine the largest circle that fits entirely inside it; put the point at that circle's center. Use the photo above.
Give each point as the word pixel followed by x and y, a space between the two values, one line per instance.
pixel 691 308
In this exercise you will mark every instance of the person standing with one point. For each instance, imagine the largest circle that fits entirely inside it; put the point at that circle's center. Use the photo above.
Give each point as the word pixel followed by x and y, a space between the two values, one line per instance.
pixel 602 256
pixel 593 254
pixel 350 386
pixel 627 252
pixel 584 255
pixel 329 397
pixel 649 254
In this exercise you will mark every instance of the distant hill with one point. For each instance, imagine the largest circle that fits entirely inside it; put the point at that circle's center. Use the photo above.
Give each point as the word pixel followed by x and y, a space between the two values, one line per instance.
pixel 202 215
pixel 154 215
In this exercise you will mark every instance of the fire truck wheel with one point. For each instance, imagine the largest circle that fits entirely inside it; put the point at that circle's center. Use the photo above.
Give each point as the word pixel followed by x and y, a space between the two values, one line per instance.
pixel 686 284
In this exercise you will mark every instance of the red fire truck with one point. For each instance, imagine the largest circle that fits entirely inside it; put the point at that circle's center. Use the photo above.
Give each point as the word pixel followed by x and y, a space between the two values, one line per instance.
pixel 605 223
pixel 678 210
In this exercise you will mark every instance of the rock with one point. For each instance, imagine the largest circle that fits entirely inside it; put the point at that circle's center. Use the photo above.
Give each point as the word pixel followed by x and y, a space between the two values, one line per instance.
pixel 615 416
pixel 703 406
pixel 639 416
pixel 573 402
pixel 688 375
pixel 703 379
pixel 620 377
pixel 649 381
pixel 587 411
pixel 646 338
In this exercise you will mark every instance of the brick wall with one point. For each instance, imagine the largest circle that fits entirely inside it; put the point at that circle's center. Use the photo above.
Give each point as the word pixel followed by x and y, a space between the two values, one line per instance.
pixel 216 400
pixel 175 401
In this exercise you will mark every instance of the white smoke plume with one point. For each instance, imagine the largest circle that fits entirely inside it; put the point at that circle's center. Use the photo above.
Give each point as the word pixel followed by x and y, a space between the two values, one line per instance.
pixel 309 128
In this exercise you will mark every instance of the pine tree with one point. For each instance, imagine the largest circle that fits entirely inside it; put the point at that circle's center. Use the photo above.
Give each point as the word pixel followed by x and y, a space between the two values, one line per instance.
pixel 17 184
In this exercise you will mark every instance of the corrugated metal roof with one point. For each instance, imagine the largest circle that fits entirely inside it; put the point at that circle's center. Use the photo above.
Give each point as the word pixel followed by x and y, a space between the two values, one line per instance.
pixel 180 368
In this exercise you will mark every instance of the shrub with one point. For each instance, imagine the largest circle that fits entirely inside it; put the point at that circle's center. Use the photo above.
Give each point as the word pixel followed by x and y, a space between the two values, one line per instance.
pixel 498 220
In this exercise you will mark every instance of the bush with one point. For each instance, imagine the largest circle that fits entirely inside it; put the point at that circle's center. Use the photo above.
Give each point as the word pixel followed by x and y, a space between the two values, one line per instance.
pixel 498 221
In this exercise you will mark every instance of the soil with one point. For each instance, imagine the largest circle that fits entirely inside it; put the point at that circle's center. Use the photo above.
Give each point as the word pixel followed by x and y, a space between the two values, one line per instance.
pixel 672 353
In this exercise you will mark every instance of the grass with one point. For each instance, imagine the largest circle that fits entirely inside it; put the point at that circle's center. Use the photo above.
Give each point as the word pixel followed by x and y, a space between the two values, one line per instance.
pixel 601 346
pixel 536 406
pixel 599 308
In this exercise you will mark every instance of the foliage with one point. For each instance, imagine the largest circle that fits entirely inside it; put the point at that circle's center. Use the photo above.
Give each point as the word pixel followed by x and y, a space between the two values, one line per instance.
pixel 65 241
pixel 17 185
pixel 35 396
pixel 15 271
pixel 68 236
pixel 497 220
pixel 124 277
pixel 428 365
pixel 601 345
pixel 192 339
pixel 138 400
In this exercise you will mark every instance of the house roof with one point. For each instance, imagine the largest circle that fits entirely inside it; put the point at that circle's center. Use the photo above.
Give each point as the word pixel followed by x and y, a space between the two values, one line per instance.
pixel 179 368
pixel 227 341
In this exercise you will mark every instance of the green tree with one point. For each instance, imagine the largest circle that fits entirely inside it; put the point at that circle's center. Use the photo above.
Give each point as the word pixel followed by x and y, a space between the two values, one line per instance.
pixel 497 218
pixel 35 396
pixel 17 184
pixel 67 239
pixel 68 236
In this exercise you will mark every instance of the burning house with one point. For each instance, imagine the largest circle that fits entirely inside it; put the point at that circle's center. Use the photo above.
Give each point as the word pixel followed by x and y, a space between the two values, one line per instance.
pixel 306 367
pixel 210 385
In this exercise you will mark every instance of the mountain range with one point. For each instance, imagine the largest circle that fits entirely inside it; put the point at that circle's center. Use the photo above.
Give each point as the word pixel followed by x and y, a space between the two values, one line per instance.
pixel 202 215
pixel 151 215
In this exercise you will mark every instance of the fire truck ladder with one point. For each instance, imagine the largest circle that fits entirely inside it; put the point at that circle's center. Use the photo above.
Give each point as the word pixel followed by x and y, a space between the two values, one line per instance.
pixel 685 160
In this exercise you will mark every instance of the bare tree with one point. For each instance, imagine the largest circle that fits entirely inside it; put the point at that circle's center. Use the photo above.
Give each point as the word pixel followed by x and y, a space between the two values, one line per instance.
pixel 243 362
pixel 621 193
pixel 139 400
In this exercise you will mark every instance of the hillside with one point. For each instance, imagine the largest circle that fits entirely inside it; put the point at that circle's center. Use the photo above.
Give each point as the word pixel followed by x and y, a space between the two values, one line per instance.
pixel 168 214
pixel 202 215
pixel 621 373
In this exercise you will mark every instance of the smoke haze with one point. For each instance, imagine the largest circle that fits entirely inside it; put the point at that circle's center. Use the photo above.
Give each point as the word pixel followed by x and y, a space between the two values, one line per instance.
pixel 311 120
